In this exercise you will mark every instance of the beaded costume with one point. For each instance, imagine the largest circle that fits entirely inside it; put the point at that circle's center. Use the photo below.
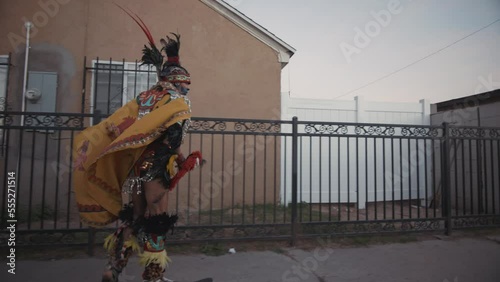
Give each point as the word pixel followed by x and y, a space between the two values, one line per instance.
pixel 137 144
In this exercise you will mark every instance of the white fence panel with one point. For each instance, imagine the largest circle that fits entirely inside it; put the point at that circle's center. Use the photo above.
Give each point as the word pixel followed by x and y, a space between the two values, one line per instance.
pixel 333 169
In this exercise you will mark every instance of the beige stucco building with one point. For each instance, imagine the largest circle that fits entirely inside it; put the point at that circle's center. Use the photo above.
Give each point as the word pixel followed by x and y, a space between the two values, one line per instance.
pixel 235 66
pixel 234 62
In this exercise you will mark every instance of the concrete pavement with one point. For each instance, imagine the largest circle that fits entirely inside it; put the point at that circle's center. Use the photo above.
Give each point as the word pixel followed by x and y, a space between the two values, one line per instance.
pixel 462 260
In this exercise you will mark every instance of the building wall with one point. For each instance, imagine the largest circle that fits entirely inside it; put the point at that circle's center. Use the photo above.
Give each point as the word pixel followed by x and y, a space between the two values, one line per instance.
pixel 474 162
pixel 226 64
pixel 484 115
pixel 225 61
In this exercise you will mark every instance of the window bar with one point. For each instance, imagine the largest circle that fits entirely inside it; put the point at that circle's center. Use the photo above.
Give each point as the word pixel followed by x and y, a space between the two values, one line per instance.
pixel 109 87
pixel 96 75
pixel 135 79
pixel 148 74
pixel 123 90
pixel 84 84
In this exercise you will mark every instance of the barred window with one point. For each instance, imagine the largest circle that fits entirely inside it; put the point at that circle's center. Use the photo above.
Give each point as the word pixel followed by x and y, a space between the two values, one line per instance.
pixel 116 83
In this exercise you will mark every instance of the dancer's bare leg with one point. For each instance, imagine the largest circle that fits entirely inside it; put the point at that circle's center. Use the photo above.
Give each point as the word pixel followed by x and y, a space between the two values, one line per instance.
pixel 157 206
pixel 156 197
pixel 119 256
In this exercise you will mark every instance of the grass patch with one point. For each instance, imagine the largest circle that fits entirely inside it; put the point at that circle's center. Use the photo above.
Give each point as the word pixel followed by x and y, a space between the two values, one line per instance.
pixel 256 214
pixel 279 251
pixel 360 241
pixel 213 249
pixel 38 213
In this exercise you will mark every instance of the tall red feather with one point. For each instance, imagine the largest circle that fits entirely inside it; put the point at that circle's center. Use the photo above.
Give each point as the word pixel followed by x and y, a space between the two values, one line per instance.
pixel 146 27
pixel 143 26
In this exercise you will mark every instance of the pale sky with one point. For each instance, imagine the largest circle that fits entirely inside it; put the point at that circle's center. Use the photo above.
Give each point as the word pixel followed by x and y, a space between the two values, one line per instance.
pixel 401 35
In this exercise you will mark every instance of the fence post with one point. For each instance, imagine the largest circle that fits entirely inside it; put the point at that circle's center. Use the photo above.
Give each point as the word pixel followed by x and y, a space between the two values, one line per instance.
pixel 445 164
pixel 294 178
pixel 7 80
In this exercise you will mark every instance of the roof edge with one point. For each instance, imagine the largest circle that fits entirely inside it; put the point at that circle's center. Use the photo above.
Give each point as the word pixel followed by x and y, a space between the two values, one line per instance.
pixel 285 51
pixel 469 101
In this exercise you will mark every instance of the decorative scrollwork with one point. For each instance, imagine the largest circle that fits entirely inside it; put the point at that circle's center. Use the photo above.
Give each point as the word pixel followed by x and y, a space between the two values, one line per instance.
pixel 468 132
pixel 4 106
pixel 326 129
pixel 339 228
pixel 494 133
pixel 271 127
pixel 7 119
pixel 420 225
pixel 420 131
pixel 375 130
pixel 476 222
pixel 53 121
pixel 207 125
pixel 476 132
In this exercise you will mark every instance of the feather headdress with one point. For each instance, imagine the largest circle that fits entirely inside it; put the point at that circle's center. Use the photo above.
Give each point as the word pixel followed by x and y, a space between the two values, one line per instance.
pixel 169 70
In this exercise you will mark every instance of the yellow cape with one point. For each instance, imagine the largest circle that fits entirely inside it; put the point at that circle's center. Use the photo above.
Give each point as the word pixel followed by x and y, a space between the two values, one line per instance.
pixel 104 154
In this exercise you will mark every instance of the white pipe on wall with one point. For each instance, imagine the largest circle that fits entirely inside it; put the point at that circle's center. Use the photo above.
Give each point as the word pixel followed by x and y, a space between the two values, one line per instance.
pixel 28 26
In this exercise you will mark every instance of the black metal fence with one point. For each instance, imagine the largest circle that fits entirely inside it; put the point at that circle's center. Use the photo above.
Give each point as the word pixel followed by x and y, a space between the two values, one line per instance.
pixel 4 79
pixel 274 179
